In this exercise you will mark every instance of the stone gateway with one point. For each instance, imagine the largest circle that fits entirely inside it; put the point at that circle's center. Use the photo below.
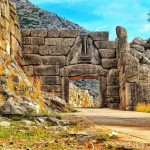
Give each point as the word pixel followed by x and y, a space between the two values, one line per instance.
pixel 57 56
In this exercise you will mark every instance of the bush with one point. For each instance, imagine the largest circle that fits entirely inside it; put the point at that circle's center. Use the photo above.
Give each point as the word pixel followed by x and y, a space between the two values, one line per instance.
pixel 143 107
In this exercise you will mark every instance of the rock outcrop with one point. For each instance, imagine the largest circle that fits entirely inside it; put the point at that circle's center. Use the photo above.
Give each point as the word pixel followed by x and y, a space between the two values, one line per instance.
pixel 33 17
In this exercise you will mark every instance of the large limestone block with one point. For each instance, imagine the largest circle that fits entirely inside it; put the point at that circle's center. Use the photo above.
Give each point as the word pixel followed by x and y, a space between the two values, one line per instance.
pixel 68 42
pixel 138 47
pixel 51 80
pixel 131 68
pixel 99 36
pixel 121 34
pixel 138 41
pixel 137 93
pixel 54 50
pixel 136 53
pixel 53 41
pixel 105 44
pixel 107 53
pixel 39 33
pixel 54 89
pixel 48 70
pixel 53 33
pixel 112 90
pixel 30 49
pixel 144 74
pixel 54 60
pixel 30 59
pixel 25 32
pixel 69 33
pixel 33 40
pixel 109 63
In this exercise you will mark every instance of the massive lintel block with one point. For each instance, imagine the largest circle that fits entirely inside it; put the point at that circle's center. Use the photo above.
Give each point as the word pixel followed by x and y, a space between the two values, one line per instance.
pixel 54 60
pixel 99 36
pixel 105 44
pixel 48 70
pixel 83 70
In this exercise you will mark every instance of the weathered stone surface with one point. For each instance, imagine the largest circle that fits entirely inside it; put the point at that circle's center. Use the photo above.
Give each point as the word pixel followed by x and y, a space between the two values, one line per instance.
pixel 53 33
pixel 112 90
pixel 53 41
pixel 138 41
pixel 113 72
pixel 107 53
pixel 105 44
pixel 121 33
pixel 138 47
pixel 30 59
pixel 30 49
pixel 25 32
pixel 144 74
pixel 46 70
pixel 39 33
pixel 52 88
pixel 137 93
pixel 28 70
pixel 136 54
pixel 131 68
pixel 68 41
pixel 84 70
pixel 33 40
pixel 54 50
pixel 112 81
pixel 145 60
pixel 54 60
pixel 99 36
pixel 69 33
pixel 109 63
pixel 51 80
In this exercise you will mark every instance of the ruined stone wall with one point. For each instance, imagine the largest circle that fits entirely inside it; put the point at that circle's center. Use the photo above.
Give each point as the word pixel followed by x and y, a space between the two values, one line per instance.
pixel 10 37
pixel 55 56
pixel 134 71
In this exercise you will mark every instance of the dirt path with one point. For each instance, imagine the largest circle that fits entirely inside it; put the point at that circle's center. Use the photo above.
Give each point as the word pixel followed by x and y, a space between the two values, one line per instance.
pixel 135 124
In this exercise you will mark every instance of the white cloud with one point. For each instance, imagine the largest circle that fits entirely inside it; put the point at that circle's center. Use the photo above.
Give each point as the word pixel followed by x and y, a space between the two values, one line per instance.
pixel 145 28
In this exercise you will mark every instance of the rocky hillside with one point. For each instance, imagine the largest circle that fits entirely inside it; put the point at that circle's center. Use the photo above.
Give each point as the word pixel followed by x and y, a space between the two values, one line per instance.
pixel 31 16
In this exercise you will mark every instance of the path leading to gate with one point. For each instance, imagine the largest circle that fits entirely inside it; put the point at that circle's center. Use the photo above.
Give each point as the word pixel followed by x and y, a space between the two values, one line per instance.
pixel 135 124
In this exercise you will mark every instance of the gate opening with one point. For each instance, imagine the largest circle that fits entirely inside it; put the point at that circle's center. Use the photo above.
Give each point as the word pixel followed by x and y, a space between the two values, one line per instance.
pixel 84 92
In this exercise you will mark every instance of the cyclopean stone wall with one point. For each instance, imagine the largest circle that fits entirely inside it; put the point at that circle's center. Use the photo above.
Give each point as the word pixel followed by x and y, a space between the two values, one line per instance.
pixel 122 68
pixel 59 56
pixel 10 36
pixel 134 70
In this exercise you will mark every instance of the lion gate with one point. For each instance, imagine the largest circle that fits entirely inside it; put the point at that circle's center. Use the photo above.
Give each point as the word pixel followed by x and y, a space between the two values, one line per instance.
pixel 58 56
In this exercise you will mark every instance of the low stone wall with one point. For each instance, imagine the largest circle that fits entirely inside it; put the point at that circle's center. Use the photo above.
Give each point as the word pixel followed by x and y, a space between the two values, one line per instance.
pixel 55 56
pixel 10 37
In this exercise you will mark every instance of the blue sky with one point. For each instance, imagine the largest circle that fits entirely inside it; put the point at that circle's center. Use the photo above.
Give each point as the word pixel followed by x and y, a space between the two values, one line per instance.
pixel 103 15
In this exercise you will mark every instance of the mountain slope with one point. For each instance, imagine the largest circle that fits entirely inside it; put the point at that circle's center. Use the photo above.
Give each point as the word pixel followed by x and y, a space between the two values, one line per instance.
pixel 31 16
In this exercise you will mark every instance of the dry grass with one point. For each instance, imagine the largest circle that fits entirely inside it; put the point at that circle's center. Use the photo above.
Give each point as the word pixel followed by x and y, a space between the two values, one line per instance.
pixel 1 98
pixel 142 107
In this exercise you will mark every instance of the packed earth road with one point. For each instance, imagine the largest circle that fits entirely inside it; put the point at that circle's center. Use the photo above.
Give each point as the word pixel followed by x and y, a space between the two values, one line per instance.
pixel 134 124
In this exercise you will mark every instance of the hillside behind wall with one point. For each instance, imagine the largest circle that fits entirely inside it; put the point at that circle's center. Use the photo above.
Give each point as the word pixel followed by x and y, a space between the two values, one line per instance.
pixel 10 37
